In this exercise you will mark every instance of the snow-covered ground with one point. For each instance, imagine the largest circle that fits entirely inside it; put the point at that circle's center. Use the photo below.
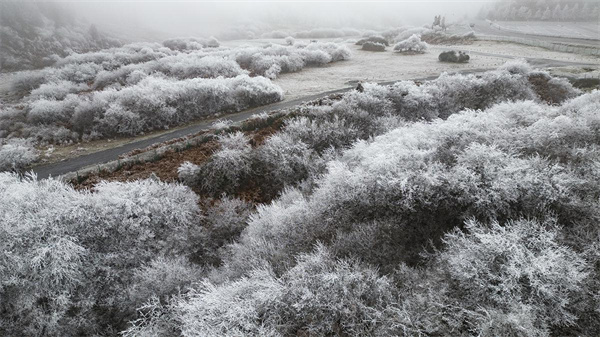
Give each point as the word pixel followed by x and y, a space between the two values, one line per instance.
pixel 581 30
pixel 389 66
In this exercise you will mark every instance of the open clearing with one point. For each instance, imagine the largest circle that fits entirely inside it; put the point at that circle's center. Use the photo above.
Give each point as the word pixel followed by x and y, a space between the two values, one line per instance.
pixel 389 66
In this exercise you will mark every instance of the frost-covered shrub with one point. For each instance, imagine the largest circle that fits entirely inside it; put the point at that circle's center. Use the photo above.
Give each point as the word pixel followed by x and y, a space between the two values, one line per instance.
pixel 411 45
pixel 284 160
pixel 190 43
pixel 229 310
pixel 321 134
pixel 153 103
pixel 336 52
pixel 454 57
pixel 512 276
pixel 272 60
pixel 105 94
pixel 319 296
pixel 58 90
pixel 373 46
pixel 290 41
pixel 374 40
pixel 25 81
pixel 324 296
pixel 16 154
pixel 438 37
pixel 321 131
pixel 67 256
pixel 228 167
pixel 224 221
pixel 475 164
pixel 188 172
pixel 551 89
pixel 161 278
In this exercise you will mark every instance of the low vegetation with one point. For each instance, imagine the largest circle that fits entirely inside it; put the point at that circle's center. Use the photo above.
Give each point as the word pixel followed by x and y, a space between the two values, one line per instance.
pixel 373 39
pixel 453 56
pixel 461 206
pixel 373 46
pixel 412 45
pixel 143 87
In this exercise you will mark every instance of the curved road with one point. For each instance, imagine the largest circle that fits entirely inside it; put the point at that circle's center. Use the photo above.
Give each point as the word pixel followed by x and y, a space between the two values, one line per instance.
pixel 100 157
pixel 484 27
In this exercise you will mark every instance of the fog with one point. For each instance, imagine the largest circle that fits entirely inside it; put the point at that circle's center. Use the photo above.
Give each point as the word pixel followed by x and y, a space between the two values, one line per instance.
pixel 156 20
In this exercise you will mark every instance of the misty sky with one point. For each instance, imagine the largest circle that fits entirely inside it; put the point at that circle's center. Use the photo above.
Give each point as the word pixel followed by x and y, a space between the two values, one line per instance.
pixel 185 18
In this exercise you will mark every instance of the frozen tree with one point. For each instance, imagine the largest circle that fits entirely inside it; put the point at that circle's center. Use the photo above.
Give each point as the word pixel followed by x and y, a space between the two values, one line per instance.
pixel 547 14
pixel 557 13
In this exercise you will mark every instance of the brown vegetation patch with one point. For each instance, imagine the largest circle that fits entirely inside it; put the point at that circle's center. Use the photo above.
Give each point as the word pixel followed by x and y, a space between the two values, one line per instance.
pixel 165 167
pixel 550 94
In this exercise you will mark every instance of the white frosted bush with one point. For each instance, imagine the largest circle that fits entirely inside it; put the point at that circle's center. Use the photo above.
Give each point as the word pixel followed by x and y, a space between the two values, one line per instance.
pixel 506 268
pixel 16 154
pixel 55 242
pixel 187 172
pixel 191 43
pixel 411 45
pixel 228 167
pixel 472 164
pixel 146 86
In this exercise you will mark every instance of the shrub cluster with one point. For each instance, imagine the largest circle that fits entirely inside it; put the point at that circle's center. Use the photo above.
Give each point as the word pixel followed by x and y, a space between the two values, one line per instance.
pixel 148 86
pixel 16 154
pixel 79 263
pixel 462 206
pixel 507 196
pixel 304 143
pixel 411 45
pixel 454 57
pixel 373 46
pixel 373 40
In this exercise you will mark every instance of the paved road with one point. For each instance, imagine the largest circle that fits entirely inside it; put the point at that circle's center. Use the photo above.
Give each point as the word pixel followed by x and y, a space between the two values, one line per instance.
pixel 483 27
pixel 96 158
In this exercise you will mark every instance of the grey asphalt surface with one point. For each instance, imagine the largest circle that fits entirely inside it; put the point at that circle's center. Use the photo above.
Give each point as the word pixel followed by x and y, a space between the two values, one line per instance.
pixel 77 163
pixel 483 27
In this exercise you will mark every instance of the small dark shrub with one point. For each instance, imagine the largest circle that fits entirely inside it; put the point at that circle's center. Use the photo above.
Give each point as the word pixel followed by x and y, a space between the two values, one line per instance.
pixel 373 46
pixel 373 39
pixel 454 57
